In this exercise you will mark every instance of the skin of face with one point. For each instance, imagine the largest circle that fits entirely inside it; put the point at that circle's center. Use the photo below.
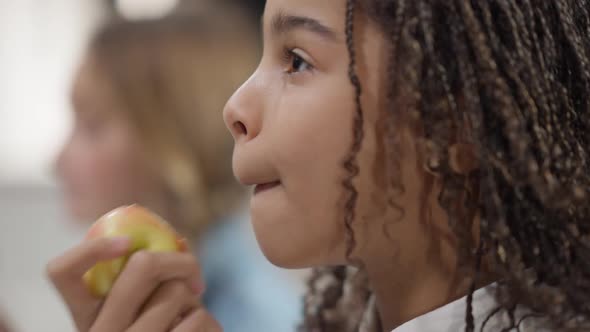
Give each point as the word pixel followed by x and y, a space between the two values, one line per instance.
pixel 102 164
pixel 292 124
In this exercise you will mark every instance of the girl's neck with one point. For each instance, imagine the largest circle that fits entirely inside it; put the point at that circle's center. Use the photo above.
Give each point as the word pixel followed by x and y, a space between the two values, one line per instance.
pixel 402 299
pixel 408 286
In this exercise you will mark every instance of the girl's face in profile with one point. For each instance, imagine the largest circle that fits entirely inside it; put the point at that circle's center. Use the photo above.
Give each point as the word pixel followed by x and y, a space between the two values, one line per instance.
pixel 102 165
pixel 292 123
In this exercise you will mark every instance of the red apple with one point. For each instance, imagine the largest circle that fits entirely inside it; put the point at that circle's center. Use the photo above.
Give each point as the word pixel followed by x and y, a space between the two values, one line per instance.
pixel 145 229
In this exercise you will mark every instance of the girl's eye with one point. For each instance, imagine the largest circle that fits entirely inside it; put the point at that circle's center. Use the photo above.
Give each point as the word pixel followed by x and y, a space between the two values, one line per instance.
pixel 296 63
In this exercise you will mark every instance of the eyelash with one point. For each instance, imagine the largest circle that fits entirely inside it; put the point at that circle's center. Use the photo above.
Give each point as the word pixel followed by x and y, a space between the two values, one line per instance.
pixel 290 57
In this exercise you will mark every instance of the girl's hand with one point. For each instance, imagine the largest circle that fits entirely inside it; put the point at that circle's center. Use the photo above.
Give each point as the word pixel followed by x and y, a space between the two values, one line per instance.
pixel 156 292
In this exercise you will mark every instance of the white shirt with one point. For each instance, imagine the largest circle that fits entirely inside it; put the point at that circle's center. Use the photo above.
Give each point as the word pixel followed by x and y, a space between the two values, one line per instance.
pixel 451 317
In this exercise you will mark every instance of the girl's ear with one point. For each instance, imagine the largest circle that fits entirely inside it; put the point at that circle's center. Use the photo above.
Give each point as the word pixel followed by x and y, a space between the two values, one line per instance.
pixel 463 158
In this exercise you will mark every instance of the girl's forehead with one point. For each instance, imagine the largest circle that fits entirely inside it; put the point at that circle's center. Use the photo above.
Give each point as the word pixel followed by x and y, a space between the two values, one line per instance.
pixel 329 12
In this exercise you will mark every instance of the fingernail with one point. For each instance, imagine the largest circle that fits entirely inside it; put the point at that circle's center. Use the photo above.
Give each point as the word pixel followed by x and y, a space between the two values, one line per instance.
pixel 120 243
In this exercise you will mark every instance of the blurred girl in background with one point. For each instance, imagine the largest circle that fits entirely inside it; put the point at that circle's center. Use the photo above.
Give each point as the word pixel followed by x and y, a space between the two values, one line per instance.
pixel 148 129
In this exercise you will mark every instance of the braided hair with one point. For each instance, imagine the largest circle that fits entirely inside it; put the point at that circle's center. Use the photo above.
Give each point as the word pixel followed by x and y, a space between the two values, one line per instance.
pixel 510 78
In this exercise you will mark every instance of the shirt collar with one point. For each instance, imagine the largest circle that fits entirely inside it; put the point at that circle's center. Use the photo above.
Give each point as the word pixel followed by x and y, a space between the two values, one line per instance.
pixel 451 317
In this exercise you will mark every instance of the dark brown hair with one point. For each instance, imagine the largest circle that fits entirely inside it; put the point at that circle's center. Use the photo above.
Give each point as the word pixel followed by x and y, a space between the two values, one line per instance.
pixel 512 79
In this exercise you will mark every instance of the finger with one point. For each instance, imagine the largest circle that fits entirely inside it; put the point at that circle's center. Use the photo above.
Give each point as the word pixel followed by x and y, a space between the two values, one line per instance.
pixel 144 272
pixel 170 301
pixel 71 266
pixel 198 321
pixel 66 272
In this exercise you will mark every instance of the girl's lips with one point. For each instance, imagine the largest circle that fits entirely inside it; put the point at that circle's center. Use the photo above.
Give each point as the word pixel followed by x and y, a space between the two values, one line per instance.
pixel 265 186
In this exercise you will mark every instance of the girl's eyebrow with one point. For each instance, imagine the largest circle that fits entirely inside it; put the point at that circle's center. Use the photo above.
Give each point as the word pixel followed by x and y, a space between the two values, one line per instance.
pixel 282 24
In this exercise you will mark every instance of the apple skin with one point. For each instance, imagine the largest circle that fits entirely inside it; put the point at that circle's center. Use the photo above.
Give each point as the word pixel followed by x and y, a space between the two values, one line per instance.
pixel 146 231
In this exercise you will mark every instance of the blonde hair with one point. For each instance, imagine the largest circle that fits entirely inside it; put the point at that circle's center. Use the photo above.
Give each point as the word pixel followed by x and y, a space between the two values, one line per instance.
pixel 173 77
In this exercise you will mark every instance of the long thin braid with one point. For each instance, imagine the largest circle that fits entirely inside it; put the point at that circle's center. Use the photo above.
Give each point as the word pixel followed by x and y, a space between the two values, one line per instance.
pixel 350 163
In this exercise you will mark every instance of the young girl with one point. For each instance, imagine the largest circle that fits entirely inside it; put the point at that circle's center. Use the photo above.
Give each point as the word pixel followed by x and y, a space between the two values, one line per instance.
pixel 436 146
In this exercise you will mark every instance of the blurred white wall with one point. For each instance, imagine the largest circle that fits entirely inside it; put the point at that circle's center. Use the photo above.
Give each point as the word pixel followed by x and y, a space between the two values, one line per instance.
pixel 34 230
pixel 40 43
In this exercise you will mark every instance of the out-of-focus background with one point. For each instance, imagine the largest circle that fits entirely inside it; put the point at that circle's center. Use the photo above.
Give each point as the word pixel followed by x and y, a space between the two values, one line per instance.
pixel 41 43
